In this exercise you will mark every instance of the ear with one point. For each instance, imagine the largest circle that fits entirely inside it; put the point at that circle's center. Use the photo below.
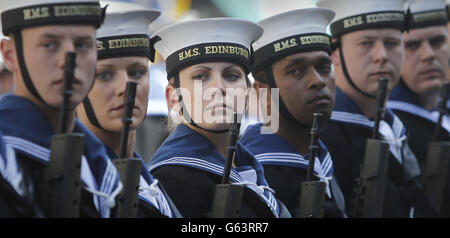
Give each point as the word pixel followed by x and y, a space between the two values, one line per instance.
pixel 259 86
pixel 8 49
pixel 335 60
pixel 171 96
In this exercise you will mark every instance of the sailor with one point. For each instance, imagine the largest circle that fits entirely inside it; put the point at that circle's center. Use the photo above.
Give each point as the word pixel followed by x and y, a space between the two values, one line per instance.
pixel 124 52
pixel 417 96
pixel 207 63
pixel 293 57
pixel 40 33
pixel 368 36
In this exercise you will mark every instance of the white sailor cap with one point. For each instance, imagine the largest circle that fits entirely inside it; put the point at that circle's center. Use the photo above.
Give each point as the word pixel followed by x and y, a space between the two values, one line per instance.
pixel 204 40
pixel 353 15
pixel 125 31
pixel 424 13
pixel 18 14
pixel 292 32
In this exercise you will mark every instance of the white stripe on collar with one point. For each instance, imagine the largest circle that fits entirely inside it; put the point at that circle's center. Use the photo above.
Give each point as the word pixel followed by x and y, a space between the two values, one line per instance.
pixel 87 176
pixel 352 118
pixel 392 135
pixel 420 112
pixel 215 169
pixel 10 169
pixel 189 161
pixel 319 170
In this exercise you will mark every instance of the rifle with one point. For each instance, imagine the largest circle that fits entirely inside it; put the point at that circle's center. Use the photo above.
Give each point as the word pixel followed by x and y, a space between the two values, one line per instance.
pixel 312 195
pixel 61 184
pixel 369 188
pixel 228 197
pixel 437 165
pixel 129 169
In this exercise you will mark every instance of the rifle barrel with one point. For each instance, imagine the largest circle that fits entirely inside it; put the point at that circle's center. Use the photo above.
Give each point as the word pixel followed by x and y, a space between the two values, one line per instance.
pixel 127 119
pixel 314 146
pixel 381 98
pixel 231 149
pixel 67 92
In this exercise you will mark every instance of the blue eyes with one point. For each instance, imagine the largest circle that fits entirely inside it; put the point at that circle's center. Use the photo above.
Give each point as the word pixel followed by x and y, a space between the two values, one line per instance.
pixel 107 75
pixel 82 46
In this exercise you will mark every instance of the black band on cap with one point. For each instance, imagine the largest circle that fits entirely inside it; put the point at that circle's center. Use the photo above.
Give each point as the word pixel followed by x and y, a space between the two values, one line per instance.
pixel 79 13
pixel 428 18
pixel 208 52
pixel 448 12
pixel 290 45
pixel 388 19
pixel 123 46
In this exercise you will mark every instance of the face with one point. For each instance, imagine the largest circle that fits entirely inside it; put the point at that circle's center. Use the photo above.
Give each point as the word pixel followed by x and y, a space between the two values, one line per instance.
pixel 370 55
pixel 44 53
pixel 426 59
pixel 306 84
pixel 212 92
pixel 108 93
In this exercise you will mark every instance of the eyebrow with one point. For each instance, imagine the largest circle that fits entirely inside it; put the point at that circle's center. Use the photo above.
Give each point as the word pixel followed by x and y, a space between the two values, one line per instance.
pixel 302 60
pixel 208 68
pixel 378 38
pixel 138 64
pixel 435 37
pixel 55 36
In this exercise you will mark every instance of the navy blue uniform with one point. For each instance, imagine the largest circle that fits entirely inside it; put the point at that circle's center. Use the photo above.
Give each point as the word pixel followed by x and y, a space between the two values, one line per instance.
pixel 345 136
pixel 189 167
pixel 28 132
pixel 285 169
pixel 16 188
pixel 419 121
pixel 421 124
pixel 153 201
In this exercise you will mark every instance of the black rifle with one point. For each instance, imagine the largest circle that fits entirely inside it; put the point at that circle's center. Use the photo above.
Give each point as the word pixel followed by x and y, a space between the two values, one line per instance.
pixel 312 195
pixel 369 188
pixel 129 168
pixel 62 183
pixel 228 197
pixel 436 172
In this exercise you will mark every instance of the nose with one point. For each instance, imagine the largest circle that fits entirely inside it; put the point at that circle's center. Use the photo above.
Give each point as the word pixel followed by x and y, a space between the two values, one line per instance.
pixel 66 46
pixel 379 53
pixel 426 51
pixel 316 81
pixel 218 83
pixel 120 82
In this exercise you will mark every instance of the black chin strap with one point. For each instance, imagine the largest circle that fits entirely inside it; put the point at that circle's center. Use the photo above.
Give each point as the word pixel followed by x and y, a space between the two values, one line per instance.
pixel 185 113
pixel 89 110
pixel 23 69
pixel 282 107
pixel 347 75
